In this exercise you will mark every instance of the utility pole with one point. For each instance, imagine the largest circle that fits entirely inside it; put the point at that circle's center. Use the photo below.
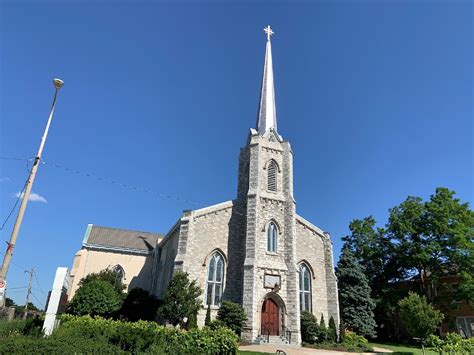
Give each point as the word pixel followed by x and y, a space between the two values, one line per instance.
pixel 28 291
pixel 58 83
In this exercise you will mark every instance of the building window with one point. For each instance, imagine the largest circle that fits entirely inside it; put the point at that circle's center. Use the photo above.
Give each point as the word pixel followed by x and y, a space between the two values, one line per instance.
pixel 272 238
pixel 119 274
pixel 272 176
pixel 305 288
pixel 215 279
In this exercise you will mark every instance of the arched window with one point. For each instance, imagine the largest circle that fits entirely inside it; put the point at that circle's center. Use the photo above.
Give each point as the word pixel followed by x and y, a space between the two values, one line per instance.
pixel 305 288
pixel 119 273
pixel 215 279
pixel 272 176
pixel 272 238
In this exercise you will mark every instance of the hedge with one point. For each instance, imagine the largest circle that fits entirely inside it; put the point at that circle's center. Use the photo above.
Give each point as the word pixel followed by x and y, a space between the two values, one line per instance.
pixel 143 336
pixel 81 335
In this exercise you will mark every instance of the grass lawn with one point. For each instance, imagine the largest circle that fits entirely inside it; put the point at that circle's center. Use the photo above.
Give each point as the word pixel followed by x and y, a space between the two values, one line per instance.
pixel 403 349
pixel 250 352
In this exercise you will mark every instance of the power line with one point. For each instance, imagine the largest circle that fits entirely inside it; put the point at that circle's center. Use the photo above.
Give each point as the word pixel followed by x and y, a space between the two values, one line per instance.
pixel 39 286
pixel 16 203
pixel 40 303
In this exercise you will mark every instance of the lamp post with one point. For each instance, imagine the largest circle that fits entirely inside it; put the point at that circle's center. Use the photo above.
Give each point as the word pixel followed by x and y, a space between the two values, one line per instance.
pixel 58 83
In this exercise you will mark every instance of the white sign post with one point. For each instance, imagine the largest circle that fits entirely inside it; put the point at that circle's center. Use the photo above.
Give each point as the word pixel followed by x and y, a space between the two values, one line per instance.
pixel 60 285
pixel 3 285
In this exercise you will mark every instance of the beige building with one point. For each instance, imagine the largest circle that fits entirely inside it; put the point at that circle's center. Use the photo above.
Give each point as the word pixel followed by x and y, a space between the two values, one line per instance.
pixel 130 253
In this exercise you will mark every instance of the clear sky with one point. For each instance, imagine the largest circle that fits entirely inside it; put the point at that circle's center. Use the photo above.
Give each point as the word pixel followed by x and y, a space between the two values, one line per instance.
pixel 375 97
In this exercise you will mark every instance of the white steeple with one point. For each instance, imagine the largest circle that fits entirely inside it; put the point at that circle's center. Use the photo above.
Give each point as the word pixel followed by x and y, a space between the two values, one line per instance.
pixel 266 117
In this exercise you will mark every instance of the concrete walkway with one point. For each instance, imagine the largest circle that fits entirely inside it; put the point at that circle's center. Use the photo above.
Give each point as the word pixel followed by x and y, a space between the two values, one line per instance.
pixel 290 350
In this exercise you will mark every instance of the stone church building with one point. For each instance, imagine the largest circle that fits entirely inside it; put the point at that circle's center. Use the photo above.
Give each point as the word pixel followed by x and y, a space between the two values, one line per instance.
pixel 254 250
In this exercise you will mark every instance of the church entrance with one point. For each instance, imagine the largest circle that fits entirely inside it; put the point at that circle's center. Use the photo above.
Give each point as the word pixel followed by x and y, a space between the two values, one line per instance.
pixel 270 317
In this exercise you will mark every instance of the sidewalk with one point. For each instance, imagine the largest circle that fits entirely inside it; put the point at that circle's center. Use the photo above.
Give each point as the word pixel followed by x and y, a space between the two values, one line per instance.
pixel 290 350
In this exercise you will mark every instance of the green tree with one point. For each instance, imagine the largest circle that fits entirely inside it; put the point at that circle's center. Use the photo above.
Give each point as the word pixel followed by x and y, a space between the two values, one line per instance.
pixel 107 275
pixel 95 297
pixel 181 300
pixel 9 302
pixel 309 327
pixel 207 321
pixel 139 304
pixel 332 330
pixel 323 331
pixel 355 302
pixel 419 318
pixel 232 315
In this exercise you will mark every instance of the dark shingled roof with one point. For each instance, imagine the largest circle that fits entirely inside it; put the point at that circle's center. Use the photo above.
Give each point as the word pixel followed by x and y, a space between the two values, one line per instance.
pixel 121 238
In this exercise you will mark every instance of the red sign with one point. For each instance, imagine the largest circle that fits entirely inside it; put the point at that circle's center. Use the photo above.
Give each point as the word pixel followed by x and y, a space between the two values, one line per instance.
pixel 2 284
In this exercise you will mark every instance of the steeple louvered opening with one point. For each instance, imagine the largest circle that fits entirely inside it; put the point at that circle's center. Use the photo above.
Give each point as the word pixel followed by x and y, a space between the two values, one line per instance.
pixel 272 176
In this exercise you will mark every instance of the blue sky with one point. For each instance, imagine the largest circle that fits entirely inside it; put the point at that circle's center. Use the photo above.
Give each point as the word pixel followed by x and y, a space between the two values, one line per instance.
pixel 375 98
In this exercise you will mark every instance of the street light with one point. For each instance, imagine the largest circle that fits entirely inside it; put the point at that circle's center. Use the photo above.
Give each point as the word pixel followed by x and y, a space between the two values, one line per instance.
pixel 58 83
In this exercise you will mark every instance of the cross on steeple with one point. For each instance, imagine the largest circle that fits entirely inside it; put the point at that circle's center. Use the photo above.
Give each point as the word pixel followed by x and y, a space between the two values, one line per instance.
pixel 268 31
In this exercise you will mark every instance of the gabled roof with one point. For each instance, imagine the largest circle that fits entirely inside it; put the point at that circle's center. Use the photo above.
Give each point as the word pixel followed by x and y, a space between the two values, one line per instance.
pixel 120 239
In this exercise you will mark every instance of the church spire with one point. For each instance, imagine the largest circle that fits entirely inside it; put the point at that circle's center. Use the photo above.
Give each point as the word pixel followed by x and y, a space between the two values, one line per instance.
pixel 266 118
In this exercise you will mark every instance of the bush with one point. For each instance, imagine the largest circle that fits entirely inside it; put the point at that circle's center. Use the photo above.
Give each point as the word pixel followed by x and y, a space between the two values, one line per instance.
pixel 207 321
pixel 181 300
pixel 232 315
pixel 31 326
pixel 139 304
pixel 96 297
pixel 332 330
pixel 453 344
pixel 356 343
pixel 143 336
pixel 309 327
pixel 419 318
pixel 52 345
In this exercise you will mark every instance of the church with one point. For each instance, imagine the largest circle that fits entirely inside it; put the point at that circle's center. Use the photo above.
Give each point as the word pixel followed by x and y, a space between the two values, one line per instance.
pixel 254 250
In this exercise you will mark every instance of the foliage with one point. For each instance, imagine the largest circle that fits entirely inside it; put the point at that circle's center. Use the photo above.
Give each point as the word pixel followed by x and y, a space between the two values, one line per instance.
pixel 423 241
pixel 323 331
pixel 9 302
pixel 453 344
pixel 355 302
pixel 139 304
pixel 342 331
pixel 181 299
pixel 15 327
pixel 309 327
pixel 107 275
pixel 207 321
pixel 95 297
pixel 59 346
pixel 332 330
pixel 420 318
pixel 404 349
pixel 192 321
pixel 354 342
pixel 144 336
pixel 232 315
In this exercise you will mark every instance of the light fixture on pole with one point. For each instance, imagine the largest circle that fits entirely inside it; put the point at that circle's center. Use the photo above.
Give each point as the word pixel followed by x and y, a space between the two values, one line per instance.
pixel 58 83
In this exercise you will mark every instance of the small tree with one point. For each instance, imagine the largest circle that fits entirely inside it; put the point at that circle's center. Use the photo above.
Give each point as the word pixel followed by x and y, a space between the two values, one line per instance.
pixel 419 318
pixel 95 297
pixel 107 275
pixel 354 295
pixel 332 331
pixel 309 327
pixel 207 321
pixel 181 300
pixel 232 315
pixel 323 331
pixel 139 304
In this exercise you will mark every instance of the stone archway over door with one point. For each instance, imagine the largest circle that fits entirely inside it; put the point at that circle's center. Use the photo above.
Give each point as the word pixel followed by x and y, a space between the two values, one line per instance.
pixel 270 317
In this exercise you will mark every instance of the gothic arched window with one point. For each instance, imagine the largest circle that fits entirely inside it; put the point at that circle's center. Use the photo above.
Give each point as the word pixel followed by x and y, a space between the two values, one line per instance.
pixel 305 288
pixel 215 279
pixel 272 176
pixel 119 273
pixel 272 238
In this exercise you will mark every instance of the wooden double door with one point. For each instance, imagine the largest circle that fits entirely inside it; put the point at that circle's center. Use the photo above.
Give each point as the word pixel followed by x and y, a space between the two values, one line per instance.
pixel 270 318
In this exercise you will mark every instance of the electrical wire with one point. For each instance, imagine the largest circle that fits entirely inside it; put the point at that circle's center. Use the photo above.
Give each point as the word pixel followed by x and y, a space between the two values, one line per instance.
pixel 39 286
